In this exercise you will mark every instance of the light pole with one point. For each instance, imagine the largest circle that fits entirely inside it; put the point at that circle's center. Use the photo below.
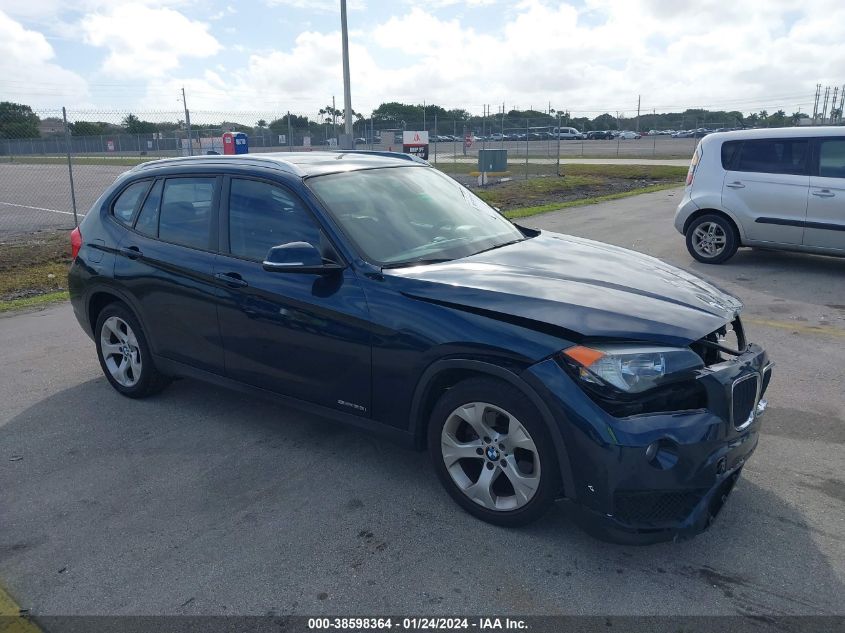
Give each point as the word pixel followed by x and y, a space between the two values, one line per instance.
pixel 346 139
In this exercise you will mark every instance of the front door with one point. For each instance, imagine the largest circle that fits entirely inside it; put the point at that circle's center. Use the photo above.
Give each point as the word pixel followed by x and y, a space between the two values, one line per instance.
pixel 299 334
pixel 826 206
pixel 766 188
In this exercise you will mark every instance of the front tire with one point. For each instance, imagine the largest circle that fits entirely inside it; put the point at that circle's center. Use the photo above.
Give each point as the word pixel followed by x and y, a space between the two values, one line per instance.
pixel 124 353
pixel 712 239
pixel 493 453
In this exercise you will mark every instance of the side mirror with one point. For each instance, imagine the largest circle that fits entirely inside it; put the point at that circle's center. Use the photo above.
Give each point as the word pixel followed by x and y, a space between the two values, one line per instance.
pixel 297 257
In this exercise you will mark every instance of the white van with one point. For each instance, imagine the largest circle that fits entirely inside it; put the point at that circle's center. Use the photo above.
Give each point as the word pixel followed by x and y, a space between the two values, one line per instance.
pixel 778 188
pixel 567 133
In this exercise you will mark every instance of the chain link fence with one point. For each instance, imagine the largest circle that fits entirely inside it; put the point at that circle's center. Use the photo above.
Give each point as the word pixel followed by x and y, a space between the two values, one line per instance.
pixel 52 161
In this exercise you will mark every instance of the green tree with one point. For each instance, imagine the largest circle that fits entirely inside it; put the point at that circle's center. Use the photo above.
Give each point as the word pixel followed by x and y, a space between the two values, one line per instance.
pixel 134 125
pixel 87 128
pixel 18 121
pixel 261 124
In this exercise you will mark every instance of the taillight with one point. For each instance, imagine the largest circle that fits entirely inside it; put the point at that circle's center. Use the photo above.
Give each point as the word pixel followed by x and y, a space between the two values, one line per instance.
pixel 696 158
pixel 75 242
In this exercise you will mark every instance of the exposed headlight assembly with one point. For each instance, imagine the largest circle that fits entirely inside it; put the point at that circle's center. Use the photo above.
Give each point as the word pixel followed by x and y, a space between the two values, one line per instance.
pixel 631 368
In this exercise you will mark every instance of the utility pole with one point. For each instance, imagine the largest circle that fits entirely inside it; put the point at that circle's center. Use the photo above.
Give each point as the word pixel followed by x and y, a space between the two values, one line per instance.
pixel 188 123
pixel 638 113
pixel 347 142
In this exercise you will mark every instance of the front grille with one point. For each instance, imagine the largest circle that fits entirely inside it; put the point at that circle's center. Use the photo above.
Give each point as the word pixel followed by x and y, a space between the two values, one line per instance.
pixel 744 399
pixel 655 507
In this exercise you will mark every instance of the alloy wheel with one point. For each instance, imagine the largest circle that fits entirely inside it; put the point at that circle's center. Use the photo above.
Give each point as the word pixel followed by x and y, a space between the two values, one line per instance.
pixel 709 239
pixel 120 350
pixel 490 456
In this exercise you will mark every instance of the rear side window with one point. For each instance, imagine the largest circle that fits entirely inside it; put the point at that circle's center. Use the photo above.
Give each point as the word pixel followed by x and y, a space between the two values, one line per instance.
pixel 147 222
pixel 832 158
pixel 124 207
pixel 262 216
pixel 185 212
pixel 774 156
pixel 729 153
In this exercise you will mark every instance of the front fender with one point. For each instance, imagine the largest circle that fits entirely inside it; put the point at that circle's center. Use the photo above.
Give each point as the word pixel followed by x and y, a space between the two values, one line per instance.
pixel 418 423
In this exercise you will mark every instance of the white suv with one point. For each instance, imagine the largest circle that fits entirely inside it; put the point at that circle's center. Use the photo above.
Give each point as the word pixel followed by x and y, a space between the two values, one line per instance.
pixel 774 188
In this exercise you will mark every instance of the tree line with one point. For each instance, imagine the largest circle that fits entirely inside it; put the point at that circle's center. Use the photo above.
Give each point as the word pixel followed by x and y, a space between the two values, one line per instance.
pixel 20 121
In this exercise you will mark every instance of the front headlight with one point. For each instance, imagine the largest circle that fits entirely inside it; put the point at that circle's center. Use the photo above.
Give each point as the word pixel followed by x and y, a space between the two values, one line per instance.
pixel 631 368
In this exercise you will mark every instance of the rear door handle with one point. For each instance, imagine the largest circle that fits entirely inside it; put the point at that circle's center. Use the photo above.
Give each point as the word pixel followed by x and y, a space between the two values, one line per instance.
pixel 233 280
pixel 824 193
pixel 132 252
pixel 735 185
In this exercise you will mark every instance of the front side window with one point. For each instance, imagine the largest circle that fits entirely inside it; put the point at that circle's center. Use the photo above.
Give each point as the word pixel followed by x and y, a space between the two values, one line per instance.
pixel 832 158
pixel 401 215
pixel 126 203
pixel 774 156
pixel 262 216
pixel 185 213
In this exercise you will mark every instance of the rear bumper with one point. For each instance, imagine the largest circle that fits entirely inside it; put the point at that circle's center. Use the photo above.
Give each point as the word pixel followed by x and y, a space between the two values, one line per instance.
pixel 686 207
pixel 655 477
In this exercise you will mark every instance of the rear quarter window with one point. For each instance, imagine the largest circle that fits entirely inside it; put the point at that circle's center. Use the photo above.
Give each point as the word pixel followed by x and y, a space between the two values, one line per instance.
pixel 729 153
pixel 127 202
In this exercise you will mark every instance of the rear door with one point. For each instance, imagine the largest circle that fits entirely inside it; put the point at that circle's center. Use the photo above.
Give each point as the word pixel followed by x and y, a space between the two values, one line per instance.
pixel 765 187
pixel 826 207
pixel 166 263
pixel 300 334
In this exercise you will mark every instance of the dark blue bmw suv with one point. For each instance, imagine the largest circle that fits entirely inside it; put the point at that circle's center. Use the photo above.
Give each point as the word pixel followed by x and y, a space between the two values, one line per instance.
pixel 373 289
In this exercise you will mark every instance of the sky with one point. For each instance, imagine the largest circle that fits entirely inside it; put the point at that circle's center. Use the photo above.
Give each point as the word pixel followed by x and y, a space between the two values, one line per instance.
pixel 266 57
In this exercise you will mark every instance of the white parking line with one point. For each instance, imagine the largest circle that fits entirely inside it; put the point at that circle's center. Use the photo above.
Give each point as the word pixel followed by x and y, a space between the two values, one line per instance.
pixel 24 206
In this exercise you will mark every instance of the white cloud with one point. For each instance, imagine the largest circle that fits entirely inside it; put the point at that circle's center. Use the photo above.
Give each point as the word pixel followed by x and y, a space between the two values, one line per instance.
pixel 28 69
pixel 146 42
pixel 587 57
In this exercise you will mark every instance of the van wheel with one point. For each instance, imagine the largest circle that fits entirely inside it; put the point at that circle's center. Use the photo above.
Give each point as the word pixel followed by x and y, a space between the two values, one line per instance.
pixel 125 355
pixel 493 453
pixel 712 239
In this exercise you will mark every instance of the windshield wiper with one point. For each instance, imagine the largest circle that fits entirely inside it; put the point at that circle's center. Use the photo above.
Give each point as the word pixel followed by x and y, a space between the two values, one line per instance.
pixel 484 250
pixel 417 262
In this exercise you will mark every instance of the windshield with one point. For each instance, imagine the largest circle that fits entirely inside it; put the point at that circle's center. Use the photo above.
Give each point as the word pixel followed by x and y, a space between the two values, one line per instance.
pixel 406 215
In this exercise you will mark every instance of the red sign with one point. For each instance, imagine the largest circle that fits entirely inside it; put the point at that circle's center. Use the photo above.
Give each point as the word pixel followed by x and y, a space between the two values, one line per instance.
pixel 468 140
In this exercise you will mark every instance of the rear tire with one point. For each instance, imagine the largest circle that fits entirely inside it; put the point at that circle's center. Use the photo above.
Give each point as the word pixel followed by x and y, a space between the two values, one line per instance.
pixel 124 354
pixel 492 452
pixel 712 239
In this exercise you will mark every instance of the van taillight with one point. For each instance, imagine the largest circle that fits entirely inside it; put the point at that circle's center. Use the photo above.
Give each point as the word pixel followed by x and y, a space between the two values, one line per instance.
pixel 75 242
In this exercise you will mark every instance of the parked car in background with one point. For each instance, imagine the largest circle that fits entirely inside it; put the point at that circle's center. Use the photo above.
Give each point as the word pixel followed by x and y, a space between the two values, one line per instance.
pixel 599 134
pixel 629 135
pixel 533 366
pixel 778 188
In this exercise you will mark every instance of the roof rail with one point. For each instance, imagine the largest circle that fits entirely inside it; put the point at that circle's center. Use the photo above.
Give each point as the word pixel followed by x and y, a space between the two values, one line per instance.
pixel 377 152
pixel 274 162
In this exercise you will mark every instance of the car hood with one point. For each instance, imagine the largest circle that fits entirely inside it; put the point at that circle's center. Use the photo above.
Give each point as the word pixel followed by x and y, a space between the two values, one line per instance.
pixel 577 288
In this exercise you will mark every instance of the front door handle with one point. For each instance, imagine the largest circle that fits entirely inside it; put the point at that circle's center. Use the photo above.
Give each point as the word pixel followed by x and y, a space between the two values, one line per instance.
pixel 824 193
pixel 735 185
pixel 233 280
pixel 132 252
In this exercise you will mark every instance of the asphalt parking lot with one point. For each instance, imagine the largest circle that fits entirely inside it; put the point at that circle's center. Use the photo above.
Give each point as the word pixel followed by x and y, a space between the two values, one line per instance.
pixel 200 501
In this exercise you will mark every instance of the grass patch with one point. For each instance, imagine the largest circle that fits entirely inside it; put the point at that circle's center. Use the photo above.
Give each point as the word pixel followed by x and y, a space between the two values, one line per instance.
pixel 33 301
pixel 34 265
pixel 525 212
